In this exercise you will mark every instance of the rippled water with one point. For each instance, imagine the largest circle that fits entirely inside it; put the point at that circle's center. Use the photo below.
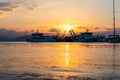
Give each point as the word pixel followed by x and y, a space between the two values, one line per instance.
pixel 59 61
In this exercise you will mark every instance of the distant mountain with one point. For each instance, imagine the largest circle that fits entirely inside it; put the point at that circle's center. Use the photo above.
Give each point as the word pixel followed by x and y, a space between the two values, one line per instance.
pixel 11 34
pixel 21 38
pixel 3 38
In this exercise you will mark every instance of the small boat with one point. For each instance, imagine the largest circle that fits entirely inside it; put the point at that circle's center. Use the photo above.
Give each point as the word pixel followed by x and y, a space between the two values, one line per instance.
pixel 39 37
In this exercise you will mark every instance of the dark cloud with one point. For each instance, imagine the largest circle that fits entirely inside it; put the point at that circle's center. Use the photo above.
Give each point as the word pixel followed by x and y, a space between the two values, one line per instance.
pixel 32 6
pixel 96 28
pixel 81 27
pixel 54 30
pixel 11 5
pixel 108 29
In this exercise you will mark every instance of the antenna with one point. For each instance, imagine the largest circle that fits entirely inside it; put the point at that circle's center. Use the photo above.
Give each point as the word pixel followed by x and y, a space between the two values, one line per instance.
pixel 114 20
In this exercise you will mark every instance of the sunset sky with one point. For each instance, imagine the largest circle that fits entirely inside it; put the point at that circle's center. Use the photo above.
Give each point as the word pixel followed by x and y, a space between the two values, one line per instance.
pixel 27 15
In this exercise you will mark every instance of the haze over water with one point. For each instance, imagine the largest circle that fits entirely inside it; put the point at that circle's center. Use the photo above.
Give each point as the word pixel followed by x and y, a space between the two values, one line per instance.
pixel 60 61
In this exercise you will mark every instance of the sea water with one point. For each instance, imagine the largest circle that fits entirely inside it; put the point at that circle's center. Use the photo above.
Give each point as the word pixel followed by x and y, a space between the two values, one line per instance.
pixel 59 61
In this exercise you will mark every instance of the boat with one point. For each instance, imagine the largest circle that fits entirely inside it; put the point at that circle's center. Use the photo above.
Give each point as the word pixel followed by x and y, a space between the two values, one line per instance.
pixel 114 38
pixel 82 37
pixel 86 37
pixel 39 37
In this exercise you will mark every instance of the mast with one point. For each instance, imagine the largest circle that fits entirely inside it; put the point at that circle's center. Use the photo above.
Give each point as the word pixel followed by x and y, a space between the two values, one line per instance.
pixel 114 20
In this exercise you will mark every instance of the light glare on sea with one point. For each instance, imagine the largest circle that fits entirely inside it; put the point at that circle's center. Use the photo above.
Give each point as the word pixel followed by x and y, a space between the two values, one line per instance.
pixel 60 61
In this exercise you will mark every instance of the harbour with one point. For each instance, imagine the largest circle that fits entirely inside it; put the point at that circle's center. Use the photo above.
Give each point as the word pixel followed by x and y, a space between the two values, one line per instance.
pixel 59 61
pixel 82 37
pixel 59 40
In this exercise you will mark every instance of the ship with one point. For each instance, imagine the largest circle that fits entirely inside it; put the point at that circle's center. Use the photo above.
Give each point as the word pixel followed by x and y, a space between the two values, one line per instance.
pixel 86 37
pixel 39 37
pixel 82 37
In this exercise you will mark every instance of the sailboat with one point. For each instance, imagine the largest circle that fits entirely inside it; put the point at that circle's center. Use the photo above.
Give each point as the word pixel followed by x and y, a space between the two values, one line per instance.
pixel 114 38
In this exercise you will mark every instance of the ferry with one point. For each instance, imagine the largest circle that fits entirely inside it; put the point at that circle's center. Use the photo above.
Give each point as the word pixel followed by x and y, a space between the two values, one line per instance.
pixel 39 37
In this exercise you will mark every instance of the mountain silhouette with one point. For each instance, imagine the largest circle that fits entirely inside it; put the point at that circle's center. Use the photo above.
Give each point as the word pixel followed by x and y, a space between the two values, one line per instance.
pixel 3 38
pixel 21 38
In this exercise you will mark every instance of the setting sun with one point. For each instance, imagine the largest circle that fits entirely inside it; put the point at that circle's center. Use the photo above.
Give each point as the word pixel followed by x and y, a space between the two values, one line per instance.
pixel 66 27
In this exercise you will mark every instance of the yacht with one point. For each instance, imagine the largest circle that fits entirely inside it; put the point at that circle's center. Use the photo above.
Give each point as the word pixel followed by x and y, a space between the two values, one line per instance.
pixel 114 38
pixel 39 37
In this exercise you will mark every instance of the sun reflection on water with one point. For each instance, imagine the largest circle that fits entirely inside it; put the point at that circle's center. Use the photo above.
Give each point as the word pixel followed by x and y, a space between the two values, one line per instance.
pixel 67 55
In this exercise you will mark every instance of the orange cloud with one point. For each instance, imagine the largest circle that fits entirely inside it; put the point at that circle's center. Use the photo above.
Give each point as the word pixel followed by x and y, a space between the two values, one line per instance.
pixel 0 13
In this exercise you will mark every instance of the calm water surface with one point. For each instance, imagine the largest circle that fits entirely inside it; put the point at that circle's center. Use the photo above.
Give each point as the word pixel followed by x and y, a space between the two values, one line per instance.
pixel 60 61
